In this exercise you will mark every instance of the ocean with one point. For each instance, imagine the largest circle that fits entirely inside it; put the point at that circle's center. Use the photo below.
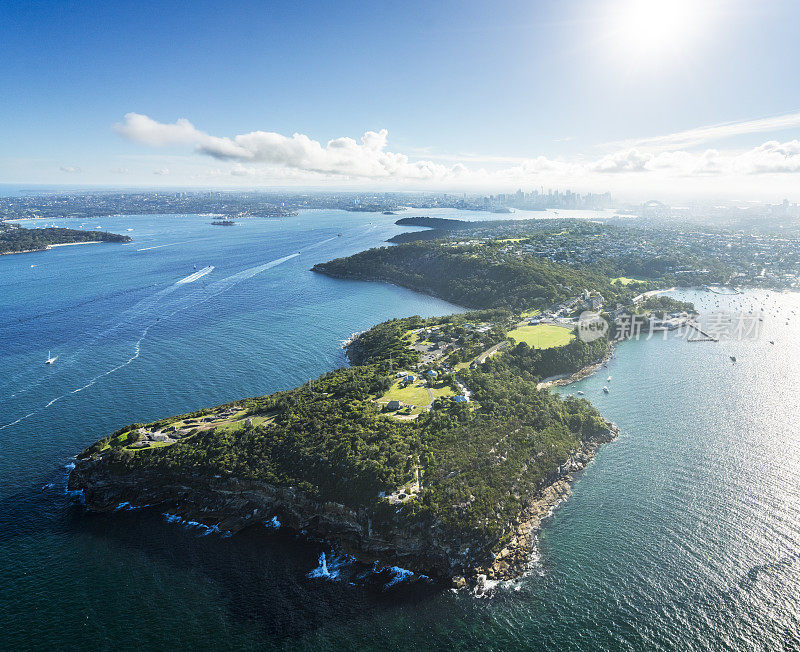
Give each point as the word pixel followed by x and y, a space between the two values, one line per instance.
pixel 682 534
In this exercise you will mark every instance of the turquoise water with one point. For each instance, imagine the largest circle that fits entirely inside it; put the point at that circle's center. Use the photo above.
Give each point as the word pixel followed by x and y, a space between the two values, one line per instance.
pixel 683 534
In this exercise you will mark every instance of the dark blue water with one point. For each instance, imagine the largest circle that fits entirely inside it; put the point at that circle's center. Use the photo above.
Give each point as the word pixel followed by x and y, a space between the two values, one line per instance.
pixel 683 534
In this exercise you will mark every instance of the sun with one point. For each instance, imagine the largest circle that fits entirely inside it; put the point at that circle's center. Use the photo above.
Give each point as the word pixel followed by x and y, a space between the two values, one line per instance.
pixel 649 28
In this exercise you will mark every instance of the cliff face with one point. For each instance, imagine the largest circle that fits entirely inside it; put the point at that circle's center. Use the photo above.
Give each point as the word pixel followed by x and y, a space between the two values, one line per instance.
pixel 456 492
pixel 231 505
pixel 514 558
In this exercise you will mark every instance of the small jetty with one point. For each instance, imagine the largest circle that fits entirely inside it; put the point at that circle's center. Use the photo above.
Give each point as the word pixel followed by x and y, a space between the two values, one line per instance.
pixel 701 336
pixel 716 289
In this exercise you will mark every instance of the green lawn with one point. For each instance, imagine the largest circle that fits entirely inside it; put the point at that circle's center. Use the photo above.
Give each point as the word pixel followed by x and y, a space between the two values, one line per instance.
pixel 625 280
pixel 412 394
pixel 442 391
pixel 235 423
pixel 415 395
pixel 542 336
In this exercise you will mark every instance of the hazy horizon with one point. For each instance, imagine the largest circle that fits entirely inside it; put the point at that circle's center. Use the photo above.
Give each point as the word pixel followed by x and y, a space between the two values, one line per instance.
pixel 636 97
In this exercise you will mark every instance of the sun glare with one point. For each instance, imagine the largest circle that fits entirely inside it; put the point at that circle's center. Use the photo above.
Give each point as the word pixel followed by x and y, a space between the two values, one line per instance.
pixel 656 27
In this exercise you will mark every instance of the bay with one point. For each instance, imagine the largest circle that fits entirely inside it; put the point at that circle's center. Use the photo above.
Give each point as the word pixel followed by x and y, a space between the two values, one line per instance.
pixel 682 534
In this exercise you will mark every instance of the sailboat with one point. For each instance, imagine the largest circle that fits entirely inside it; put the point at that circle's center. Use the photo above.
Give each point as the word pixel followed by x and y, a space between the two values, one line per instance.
pixel 50 358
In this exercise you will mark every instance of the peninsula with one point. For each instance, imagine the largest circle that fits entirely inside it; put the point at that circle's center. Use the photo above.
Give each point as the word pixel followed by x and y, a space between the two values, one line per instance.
pixel 436 450
pixel 16 239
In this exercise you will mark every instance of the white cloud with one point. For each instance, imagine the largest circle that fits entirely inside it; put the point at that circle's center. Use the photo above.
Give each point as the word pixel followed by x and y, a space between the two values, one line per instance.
pixel 241 171
pixel 366 158
pixel 268 157
pixel 630 160
pixel 770 158
pixel 142 129
pixel 699 135
pixel 538 168
pixel 70 169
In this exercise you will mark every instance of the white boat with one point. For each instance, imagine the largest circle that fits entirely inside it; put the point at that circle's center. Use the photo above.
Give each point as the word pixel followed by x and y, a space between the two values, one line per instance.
pixel 50 358
pixel 605 389
pixel 580 393
pixel 609 378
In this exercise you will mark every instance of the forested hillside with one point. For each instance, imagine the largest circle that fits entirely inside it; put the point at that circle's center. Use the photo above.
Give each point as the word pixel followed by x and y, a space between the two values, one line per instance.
pixel 479 463
pixel 15 239
pixel 475 276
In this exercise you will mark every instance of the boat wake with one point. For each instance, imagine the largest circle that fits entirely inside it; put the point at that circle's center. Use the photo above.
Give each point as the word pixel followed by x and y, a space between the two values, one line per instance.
pixel 155 310
pixel 137 351
pixel 319 244
pixel 170 244
pixel 197 275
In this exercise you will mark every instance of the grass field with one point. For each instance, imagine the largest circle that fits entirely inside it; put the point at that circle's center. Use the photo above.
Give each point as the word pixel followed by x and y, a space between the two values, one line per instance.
pixel 411 337
pixel 415 395
pixel 442 391
pixel 542 336
pixel 625 280
pixel 235 424
pixel 412 394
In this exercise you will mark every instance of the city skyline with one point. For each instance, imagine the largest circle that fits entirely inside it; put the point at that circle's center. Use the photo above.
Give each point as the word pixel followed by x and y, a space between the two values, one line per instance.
pixel 453 97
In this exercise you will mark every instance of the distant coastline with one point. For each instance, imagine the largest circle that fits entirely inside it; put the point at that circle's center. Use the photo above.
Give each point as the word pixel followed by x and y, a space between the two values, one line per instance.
pixel 69 244
pixel 15 239
pixel 48 247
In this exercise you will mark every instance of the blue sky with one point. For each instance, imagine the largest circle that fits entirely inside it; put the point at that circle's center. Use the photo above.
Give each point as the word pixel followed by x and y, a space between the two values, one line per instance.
pixel 487 95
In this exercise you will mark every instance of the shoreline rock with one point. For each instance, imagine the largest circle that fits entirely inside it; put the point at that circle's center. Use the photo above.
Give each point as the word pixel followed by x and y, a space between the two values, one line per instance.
pixel 229 505
pixel 514 559
pixel 582 373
